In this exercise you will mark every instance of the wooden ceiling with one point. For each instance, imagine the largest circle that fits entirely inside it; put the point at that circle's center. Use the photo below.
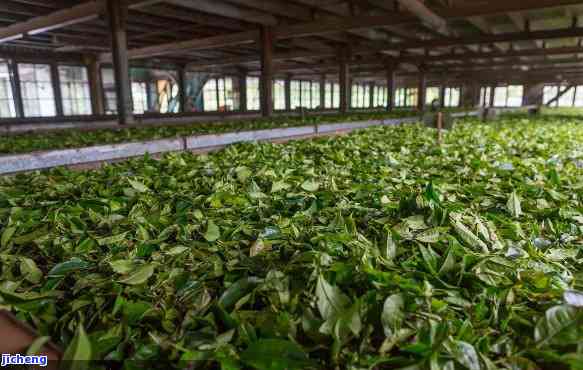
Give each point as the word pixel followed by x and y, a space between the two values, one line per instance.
pixel 457 37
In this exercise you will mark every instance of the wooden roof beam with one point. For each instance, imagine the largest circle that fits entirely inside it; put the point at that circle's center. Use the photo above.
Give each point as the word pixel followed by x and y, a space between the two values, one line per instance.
pixel 61 18
pixel 426 15
pixel 226 10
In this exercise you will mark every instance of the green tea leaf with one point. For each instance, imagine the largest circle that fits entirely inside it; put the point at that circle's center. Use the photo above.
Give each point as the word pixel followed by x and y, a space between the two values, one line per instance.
pixel 513 205
pixel 78 353
pixel 331 301
pixel 310 185
pixel 392 314
pixel 7 235
pixel 213 233
pixel 275 354
pixel 140 276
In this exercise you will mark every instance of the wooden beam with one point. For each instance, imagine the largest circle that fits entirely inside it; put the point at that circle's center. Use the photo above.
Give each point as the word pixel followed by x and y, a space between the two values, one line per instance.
pixel 213 42
pixel 428 17
pixel 226 10
pixel 61 18
pixel 117 15
pixel 285 8
pixel 322 27
pixel 489 55
pixel 266 71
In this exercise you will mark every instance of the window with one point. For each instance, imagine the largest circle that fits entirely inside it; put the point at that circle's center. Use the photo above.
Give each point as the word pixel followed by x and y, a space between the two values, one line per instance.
pixel 431 94
pixel 571 98
pixel 515 94
pixel 109 93
pixel 380 96
pixel 7 109
pixel 485 94
pixel 305 97
pixel 140 97
pixel 332 95
pixel 400 97
pixel 305 94
pixel 579 96
pixel 508 96
pixel 406 97
pixel 315 95
pixel 75 90
pixel 218 95
pixel 412 97
pixel 253 101
pixel 279 95
pixel 38 98
pixel 360 96
pixel 209 96
pixel 295 94
pixel 566 100
pixel 452 97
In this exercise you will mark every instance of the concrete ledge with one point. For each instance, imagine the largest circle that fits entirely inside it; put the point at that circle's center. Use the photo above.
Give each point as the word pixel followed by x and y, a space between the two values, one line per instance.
pixel 54 158
pixel 348 125
pixel 68 157
pixel 205 141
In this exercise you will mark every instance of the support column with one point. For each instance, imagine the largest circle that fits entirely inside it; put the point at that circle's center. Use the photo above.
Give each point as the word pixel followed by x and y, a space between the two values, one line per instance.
pixel 533 94
pixel 492 91
pixel 18 105
pixel 421 88
pixel 288 93
pixel 442 95
pixel 391 84
pixel 323 92
pixel 182 88
pixel 266 71
pixel 242 90
pixel 95 86
pixel 344 83
pixel 117 13
pixel 468 95
pixel 56 79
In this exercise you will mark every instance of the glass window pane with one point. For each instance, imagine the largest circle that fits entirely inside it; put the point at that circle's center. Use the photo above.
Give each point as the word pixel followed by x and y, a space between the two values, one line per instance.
pixel 37 90
pixel 7 106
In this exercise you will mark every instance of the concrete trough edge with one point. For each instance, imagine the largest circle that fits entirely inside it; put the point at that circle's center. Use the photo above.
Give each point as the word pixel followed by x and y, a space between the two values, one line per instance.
pixel 331 127
pixel 66 157
pixel 41 160
pixel 208 141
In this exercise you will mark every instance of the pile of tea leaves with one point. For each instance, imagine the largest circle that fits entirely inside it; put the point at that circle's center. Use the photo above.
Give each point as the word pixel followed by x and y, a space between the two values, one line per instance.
pixel 375 250
pixel 74 138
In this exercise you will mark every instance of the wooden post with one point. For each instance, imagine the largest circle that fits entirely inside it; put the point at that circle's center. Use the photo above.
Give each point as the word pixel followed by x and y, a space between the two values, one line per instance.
pixel 18 105
pixel 182 88
pixel 391 83
pixel 442 95
pixel 344 82
pixel 117 14
pixel 439 127
pixel 266 71
pixel 56 80
pixel 323 92
pixel 421 88
pixel 242 76
pixel 95 86
pixel 492 91
pixel 288 93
